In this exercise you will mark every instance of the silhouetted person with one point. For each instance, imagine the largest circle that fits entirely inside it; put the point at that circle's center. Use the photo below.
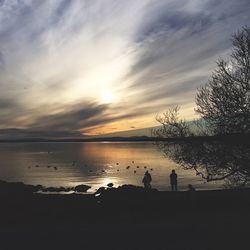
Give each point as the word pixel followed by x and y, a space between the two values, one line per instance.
pixel 173 181
pixel 147 180
pixel 191 188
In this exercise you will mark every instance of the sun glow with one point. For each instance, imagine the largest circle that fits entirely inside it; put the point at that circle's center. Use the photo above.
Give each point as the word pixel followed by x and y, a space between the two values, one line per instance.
pixel 107 96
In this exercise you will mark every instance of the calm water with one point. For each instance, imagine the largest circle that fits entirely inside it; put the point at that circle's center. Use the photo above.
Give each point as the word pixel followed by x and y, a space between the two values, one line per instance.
pixel 95 164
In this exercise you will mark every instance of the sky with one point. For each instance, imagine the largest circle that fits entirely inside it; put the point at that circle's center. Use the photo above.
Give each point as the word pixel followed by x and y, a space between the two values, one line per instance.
pixel 71 68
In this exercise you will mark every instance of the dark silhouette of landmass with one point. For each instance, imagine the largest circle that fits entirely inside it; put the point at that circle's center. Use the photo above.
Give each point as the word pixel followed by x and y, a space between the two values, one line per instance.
pixel 127 217
pixel 238 137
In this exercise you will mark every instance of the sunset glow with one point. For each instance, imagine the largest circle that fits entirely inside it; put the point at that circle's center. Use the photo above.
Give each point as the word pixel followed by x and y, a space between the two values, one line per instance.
pixel 75 68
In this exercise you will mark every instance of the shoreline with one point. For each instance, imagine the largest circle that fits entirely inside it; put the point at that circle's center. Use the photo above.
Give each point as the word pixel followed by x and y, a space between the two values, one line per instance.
pixel 82 189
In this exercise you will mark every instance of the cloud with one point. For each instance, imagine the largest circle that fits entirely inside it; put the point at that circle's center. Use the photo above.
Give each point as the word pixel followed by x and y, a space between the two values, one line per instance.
pixel 20 134
pixel 178 48
pixel 58 57
pixel 71 118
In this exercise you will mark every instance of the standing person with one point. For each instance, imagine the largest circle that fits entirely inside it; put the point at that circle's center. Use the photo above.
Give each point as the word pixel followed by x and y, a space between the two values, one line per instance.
pixel 191 188
pixel 147 180
pixel 173 181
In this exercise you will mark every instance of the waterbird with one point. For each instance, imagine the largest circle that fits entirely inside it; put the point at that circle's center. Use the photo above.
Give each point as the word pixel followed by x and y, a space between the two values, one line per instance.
pixel 117 163
pixel 134 171
pixel 145 167
pixel 151 169
pixel 138 166
pixel 133 162
pixel 55 168
pixel 127 167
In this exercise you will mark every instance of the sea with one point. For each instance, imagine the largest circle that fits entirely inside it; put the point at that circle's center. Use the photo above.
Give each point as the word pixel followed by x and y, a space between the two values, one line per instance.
pixel 96 164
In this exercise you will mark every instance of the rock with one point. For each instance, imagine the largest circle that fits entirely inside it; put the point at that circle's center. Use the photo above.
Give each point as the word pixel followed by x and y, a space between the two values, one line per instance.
pixel 100 190
pixel 82 188
pixel 110 185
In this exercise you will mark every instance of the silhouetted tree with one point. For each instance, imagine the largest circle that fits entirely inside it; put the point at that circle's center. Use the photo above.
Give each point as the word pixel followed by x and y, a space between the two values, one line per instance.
pixel 201 128
pixel 224 102
pixel 213 160
pixel 172 125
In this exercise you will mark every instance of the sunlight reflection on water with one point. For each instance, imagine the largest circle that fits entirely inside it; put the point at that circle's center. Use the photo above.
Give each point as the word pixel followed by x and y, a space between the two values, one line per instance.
pixel 92 163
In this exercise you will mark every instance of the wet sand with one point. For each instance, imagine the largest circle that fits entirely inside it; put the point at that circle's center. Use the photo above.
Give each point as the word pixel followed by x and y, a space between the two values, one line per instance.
pixel 125 218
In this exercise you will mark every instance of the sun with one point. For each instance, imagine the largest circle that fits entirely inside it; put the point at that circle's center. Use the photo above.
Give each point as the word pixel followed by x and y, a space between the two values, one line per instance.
pixel 107 96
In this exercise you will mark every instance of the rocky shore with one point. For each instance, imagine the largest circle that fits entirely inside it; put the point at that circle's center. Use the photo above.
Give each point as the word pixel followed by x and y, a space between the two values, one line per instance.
pixel 127 217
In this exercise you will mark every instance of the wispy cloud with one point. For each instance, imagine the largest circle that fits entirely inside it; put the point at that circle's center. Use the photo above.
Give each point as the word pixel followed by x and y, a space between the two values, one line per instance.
pixel 57 58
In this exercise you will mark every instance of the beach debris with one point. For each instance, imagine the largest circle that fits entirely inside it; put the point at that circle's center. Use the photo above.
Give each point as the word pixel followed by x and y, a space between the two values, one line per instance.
pixel 133 162
pixel 117 170
pixel 127 167
pixel 137 166
pixel 145 167
pixel 117 163
pixel 90 171
pixel 55 168
pixel 110 185
pixel 151 169
pixel 103 170
pixel 134 171
pixel 37 166
pixel 48 166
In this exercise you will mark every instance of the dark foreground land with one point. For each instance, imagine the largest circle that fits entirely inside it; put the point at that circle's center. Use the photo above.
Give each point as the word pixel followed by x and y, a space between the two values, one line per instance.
pixel 126 218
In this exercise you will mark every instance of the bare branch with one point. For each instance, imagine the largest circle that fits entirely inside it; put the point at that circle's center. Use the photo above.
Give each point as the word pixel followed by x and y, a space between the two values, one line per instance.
pixel 172 125
pixel 224 102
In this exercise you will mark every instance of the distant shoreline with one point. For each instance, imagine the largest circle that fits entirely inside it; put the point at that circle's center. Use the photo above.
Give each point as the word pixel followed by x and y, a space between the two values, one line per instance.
pixel 237 137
